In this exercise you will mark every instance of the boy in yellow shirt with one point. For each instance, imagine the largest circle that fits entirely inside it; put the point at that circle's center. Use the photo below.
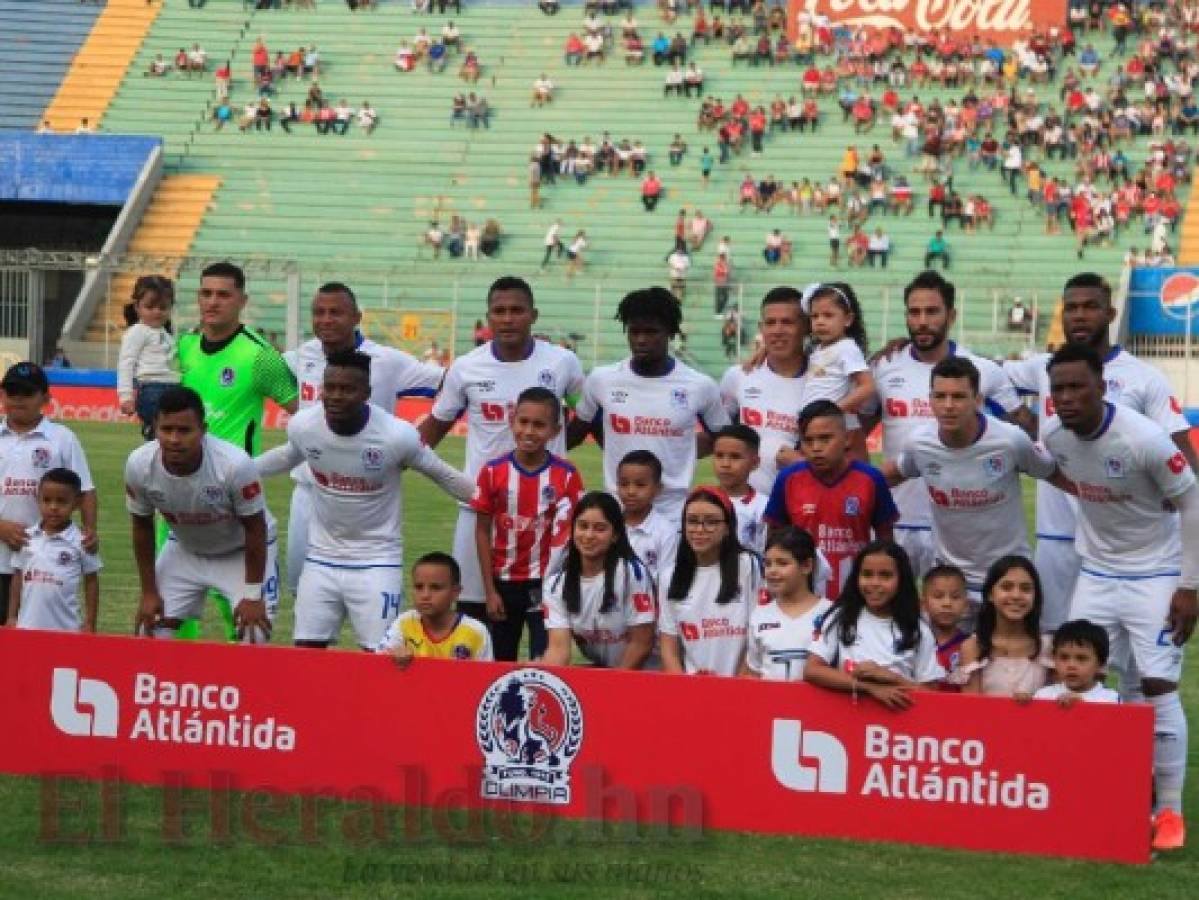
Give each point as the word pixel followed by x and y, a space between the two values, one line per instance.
pixel 433 629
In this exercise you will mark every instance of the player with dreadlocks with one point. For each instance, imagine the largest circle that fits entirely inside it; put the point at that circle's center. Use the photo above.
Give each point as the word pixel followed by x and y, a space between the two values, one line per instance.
pixel 651 401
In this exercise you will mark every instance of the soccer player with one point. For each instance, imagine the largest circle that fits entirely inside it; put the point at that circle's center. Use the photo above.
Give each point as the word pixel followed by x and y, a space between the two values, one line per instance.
pixel 1139 573
pixel 31 445
pixel 356 452
pixel 734 460
pixel 838 500
pixel 222 537
pixel 651 400
pixel 432 629
pixel 234 370
pixel 971 465
pixel 484 384
pixel 48 571
pixel 523 503
pixel 394 373
pixel 902 381
pixel 1087 313
pixel 654 539
pixel 767 398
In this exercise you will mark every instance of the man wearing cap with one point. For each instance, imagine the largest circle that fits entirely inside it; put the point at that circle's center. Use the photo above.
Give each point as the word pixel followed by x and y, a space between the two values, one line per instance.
pixel 30 446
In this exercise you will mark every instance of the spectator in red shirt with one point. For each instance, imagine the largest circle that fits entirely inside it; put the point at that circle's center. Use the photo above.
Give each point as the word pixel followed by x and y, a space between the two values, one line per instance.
pixel 524 502
pixel 651 192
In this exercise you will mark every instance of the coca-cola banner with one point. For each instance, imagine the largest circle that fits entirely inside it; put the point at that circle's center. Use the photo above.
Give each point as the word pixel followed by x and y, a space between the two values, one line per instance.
pixel 1000 20
pixel 704 752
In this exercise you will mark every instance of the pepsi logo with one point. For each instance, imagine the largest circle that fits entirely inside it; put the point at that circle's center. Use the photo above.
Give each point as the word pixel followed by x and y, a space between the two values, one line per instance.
pixel 1179 295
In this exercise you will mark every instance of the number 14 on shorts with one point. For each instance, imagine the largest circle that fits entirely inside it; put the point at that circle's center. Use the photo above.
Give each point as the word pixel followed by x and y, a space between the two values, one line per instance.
pixel 391 604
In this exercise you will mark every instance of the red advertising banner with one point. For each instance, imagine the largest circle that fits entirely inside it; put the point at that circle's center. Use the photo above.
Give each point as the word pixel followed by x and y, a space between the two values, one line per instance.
pixel 953 771
pixel 999 20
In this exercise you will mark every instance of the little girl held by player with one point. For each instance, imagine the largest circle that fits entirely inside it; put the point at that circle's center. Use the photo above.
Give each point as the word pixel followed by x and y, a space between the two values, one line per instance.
pixel 873 641
pixel 709 594
pixel 787 618
pixel 147 364
pixel 603 598
pixel 1008 656
pixel 837 367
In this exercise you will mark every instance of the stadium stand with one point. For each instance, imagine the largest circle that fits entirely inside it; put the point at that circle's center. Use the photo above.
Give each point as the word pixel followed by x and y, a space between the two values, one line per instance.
pixel 37 44
pixel 356 206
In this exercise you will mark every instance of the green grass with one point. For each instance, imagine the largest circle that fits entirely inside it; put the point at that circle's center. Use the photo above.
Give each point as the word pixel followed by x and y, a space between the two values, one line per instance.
pixel 571 860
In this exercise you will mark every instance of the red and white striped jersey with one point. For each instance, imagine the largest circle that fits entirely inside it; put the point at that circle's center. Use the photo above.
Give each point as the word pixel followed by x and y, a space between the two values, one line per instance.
pixel 530 513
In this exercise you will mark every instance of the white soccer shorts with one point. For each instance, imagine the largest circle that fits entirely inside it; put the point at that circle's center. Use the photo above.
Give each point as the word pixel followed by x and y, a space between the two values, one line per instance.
pixel 185 578
pixel 1057 563
pixel 1134 610
pixel 298 516
pixel 371 596
pixel 467 554
pixel 918 544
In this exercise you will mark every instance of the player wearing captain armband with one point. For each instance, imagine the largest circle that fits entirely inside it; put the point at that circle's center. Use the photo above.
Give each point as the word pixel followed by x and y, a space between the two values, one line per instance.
pixel 1138 541
pixel 433 629
pixel 357 453
pixel 874 641
pixel 788 615
pixel 222 538
pixel 602 600
pixel 707 599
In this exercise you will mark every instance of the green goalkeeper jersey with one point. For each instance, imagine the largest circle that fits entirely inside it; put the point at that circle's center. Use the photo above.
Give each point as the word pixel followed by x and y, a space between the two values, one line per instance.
pixel 234 377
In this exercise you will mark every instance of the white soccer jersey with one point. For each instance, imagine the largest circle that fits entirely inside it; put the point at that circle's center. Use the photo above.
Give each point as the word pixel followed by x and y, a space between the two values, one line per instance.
pixel 877 641
pixel 485 388
pixel 203 510
pixel 1130 382
pixel 712 635
pixel 750 509
pixel 52 567
pixel 659 414
pixel 1100 693
pixel 24 459
pixel 903 384
pixel 603 635
pixel 829 372
pixel 394 373
pixel 1125 474
pixel 770 405
pixel 778 643
pixel 978 512
pixel 656 542
pixel 357 510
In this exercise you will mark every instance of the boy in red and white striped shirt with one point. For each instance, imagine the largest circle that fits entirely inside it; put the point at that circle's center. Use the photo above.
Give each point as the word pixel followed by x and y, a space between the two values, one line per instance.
pixel 524 501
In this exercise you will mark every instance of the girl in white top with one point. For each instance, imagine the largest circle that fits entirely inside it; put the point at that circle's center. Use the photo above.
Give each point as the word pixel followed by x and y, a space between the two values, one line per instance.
pixel 837 368
pixel 147 364
pixel 707 598
pixel 603 598
pixel 874 641
pixel 787 618
pixel 1007 656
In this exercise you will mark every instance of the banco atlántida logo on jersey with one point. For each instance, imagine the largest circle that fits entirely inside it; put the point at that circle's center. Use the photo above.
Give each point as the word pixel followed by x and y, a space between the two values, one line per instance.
pixel 529 727
pixel 903 767
pixel 167 712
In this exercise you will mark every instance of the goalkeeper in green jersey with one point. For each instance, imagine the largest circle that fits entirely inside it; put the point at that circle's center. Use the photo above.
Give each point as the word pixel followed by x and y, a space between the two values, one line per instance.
pixel 234 369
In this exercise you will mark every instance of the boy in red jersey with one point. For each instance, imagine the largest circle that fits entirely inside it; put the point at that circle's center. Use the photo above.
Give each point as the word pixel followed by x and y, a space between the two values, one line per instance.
pixel 837 500
pixel 524 501
pixel 944 603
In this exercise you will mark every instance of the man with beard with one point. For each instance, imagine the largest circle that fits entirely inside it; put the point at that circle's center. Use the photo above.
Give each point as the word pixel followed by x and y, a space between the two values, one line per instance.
pixel 902 382
pixel 1087 312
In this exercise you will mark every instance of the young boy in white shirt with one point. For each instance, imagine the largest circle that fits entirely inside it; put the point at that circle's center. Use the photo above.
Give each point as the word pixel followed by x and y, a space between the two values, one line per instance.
pixel 48 570
pixel 1080 651
pixel 734 457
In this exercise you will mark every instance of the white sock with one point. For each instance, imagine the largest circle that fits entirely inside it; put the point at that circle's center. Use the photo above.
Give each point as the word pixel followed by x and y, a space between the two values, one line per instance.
pixel 162 632
pixel 1169 751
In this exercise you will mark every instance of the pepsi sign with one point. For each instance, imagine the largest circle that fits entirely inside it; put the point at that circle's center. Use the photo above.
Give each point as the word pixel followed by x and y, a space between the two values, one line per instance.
pixel 1160 302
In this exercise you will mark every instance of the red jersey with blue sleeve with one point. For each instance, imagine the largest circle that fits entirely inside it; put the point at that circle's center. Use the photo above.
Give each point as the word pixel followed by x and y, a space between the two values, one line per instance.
pixel 839 514
pixel 530 513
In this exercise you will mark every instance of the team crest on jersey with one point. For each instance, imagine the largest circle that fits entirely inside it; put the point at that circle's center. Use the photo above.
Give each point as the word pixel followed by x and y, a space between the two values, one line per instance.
pixel 64 558
pixel 678 398
pixel 1114 466
pixel 227 376
pixel 41 458
pixel 651 558
pixel 545 378
pixel 548 494
pixel 372 459
pixel 461 651
pixel 213 493
pixel 529 728
pixel 852 506
pixel 1115 386
pixel 994 465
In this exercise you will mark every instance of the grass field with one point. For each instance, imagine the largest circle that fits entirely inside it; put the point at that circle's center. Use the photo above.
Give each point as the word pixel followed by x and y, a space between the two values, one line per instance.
pixel 572 860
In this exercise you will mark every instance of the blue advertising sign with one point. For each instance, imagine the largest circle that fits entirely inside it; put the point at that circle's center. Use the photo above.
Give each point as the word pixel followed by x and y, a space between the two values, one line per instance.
pixel 1160 301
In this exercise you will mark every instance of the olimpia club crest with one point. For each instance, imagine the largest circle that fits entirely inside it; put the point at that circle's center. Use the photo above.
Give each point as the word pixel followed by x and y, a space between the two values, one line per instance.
pixel 529 727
